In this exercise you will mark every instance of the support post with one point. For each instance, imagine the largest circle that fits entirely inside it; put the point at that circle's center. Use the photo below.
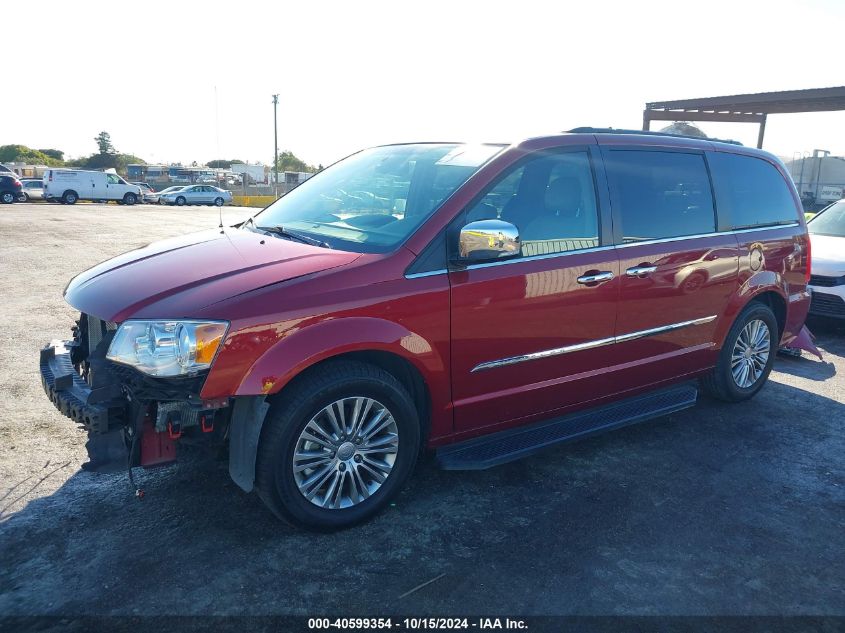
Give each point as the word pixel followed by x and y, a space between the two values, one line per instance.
pixel 762 132
pixel 646 121
pixel 275 147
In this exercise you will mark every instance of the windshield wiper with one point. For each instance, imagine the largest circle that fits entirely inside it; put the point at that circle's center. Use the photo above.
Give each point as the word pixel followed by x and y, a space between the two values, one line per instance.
pixel 280 230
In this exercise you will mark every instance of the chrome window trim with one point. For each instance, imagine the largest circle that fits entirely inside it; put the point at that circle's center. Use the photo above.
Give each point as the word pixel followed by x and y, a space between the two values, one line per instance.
pixel 700 235
pixel 533 258
pixel 558 351
pixel 428 273
pixel 770 227
pixel 517 260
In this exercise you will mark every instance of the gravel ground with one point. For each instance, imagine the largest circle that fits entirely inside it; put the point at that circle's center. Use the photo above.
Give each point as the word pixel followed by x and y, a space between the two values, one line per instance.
pixel 722 509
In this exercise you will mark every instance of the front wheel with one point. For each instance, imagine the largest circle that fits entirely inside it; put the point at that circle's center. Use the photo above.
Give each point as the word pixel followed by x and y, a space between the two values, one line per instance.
pixel 218 202
pixel 337 446
pixel 130 199
pixel 180 201
pixel 747 355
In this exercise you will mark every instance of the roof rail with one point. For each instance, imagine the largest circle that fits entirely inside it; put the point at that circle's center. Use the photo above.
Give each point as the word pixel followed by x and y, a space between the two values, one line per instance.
pixel 610 130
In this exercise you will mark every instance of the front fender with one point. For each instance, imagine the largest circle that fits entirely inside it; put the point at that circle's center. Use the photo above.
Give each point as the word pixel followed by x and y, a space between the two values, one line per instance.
pixel 307 346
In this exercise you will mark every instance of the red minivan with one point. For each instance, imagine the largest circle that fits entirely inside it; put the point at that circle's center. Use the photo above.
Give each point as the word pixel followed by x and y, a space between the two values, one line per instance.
pixel 482 301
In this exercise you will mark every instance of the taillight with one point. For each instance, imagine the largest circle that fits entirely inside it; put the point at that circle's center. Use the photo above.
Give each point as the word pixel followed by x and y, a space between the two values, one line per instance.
pixel 809 261
pixel 18 184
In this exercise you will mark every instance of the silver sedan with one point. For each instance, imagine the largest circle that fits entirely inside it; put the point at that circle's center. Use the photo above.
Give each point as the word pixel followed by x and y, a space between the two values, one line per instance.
pixel 197 194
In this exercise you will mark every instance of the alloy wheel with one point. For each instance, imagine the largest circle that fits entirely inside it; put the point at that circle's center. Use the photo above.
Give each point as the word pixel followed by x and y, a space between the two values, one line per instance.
pixel 345 453
pixel 751 353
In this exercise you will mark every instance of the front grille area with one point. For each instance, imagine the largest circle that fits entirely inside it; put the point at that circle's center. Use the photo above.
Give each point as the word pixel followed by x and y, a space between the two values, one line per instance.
pixel 826 282
pixel 827 305
pixel 96 329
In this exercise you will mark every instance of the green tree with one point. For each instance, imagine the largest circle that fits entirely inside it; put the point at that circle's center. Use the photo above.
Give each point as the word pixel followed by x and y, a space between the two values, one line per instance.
pixel 55 154
pixel 289 162
pixel 103 140
pixel 24 154
pixel 222 163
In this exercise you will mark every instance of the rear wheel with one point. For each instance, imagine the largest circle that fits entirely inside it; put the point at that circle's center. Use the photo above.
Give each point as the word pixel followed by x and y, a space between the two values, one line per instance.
pixel 130 198
pixel 747 355
pixel 180 201
pixel 337 446
pixel 70 197
pixel 7 197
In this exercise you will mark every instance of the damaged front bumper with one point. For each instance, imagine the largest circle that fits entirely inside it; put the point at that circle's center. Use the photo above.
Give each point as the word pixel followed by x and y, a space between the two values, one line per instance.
pixel 130 419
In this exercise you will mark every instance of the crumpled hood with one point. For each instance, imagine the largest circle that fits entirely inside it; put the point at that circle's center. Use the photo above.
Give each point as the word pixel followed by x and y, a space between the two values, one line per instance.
pixel 828 255
pixel 174 278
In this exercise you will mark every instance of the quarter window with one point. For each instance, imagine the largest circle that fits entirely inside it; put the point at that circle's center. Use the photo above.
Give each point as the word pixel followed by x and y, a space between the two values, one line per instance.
pixel 550 199
pixel 660 194
pixel 752 190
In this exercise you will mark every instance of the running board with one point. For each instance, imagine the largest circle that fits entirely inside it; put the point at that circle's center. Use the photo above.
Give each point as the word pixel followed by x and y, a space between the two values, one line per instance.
pixel 507 446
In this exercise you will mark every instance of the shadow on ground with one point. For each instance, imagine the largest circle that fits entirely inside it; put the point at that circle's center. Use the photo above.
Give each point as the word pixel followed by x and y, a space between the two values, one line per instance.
pixel 730 509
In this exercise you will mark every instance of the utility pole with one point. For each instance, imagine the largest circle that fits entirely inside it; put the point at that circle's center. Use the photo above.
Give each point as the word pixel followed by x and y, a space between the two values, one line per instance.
pixel 275 146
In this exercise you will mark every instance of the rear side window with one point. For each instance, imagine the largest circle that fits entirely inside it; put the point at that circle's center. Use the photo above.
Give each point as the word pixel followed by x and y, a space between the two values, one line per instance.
pixel 659 195
pixel 752 191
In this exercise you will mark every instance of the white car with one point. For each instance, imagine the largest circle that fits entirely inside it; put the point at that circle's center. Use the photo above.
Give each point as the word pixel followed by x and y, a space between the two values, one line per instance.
pixel 827 279
pixel 32 189
pixel 197 194
pixel 70 185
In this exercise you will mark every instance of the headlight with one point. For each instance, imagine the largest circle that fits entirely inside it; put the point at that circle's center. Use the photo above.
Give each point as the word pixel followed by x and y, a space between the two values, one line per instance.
pixel 167 348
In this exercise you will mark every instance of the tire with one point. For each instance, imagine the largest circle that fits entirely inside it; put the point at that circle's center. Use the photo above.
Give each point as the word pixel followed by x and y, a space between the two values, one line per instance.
pixel 130 199
pixel 722 383
pixel 24 197
pixel 70 197
pixel 218 202
pixel 180 201
pixel 306 403
pixel 7 197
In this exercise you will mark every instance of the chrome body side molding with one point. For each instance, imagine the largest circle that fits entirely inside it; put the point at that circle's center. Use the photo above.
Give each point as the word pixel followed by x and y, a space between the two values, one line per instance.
pixel 569 349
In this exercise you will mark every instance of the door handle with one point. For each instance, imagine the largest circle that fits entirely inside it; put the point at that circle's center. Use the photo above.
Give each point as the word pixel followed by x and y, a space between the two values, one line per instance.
pixel 640 271
pixel 595 278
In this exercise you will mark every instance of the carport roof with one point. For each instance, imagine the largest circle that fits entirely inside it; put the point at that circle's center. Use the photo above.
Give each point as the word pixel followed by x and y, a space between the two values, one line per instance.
pixel 786 101
pixel 746 108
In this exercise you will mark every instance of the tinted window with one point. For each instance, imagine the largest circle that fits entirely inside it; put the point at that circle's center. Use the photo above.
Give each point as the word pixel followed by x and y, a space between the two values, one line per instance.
pixel 551 200
pixel 752 191
pixel 660 194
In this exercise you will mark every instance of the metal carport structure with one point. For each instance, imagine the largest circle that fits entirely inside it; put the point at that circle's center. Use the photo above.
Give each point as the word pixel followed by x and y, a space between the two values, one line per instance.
pixel 747 108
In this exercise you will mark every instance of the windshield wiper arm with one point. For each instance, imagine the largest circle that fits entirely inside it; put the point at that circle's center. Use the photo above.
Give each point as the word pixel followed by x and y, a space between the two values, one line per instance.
pixel 280 230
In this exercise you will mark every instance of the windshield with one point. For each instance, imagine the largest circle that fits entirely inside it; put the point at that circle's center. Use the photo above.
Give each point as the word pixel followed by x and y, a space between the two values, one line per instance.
pixel 372 201
pixel 831 221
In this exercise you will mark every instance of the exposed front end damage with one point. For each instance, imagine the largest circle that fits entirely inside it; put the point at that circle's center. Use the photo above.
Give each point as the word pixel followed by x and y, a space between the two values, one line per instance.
pixel 132 419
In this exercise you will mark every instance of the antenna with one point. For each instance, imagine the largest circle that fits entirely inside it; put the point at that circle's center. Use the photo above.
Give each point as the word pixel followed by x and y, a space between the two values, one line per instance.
pixel 217 129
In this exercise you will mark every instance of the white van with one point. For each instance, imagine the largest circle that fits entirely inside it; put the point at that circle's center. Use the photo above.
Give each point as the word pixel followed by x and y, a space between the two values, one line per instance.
pixel 70 185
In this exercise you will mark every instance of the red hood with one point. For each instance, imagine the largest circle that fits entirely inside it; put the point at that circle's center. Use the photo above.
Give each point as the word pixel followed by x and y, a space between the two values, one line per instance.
pixel 174 278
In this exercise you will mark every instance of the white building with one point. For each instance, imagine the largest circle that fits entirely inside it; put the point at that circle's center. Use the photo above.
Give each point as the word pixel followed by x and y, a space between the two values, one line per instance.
pixel 258 173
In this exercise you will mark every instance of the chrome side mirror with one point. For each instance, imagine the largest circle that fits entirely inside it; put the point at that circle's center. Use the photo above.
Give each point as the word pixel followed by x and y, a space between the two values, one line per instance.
pixel 488 240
